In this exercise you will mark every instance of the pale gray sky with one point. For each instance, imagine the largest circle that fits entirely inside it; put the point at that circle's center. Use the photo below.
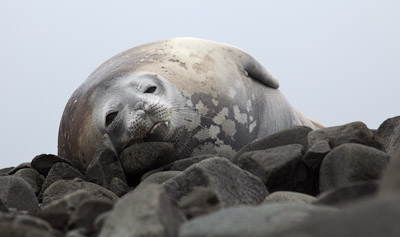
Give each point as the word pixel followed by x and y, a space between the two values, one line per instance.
pixel 337 61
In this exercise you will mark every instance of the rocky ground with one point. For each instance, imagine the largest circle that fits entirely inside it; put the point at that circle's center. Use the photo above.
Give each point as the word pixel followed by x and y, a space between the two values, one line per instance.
pixel 337 181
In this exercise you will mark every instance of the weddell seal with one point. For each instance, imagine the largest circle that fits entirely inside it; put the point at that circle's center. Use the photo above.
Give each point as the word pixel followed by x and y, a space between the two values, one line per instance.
pixel 204 97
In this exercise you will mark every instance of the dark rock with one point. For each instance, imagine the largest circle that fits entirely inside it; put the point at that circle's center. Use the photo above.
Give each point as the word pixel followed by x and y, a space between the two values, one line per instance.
pixel 142 157
pixel 347 194
pixel 356 132
pixel 43 163
pixel 62 187
pixel 232 185
pixel 118 187
pixel 60 171
pixel 293 135
pixel 19 167
pixel 81 232
pixel 16 193
pixel 316 154
pixel 251 221
pixel 373 218
pixel 147 211
pixel 351 163
pixel 391 177
pixel 288 197
pixel 31 221
pixel 105 165
pixel 389 134
pixel 32 177
pixel 179 165
pixel 280 168
pixel 199 202
pixel 7 229
pixel 3 207
pixel 160 177
pixel 87 212
pixel 5 171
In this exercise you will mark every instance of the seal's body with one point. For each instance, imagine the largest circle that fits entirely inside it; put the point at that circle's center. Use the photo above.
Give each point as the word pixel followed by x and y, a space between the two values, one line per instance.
pixel 202 96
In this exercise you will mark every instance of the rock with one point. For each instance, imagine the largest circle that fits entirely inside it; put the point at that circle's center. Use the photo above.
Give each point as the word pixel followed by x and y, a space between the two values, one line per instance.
pixel 251 221
pixel 351 163
pixel 76 233
pixel 160 177
pixel 7 229
pixel 142 157
pixel 293 135
pixel 231 184
pixel 31 221
pixel 147 211
pixel 391 177
pixel 373 218
pixel 347 194
pixel 179 165
pixel 105 165
pixel 199 202
pixel 356 132
pixel 43 163
pixel 26 165
pixel 389 134
pixel 61 188
pixel 32 177
pixel 60 171
pixel 280 168
pixel 16 193
pixel 87 212
pixel 5 171
pixel 316 154
pixel 118 187
pixel 288 197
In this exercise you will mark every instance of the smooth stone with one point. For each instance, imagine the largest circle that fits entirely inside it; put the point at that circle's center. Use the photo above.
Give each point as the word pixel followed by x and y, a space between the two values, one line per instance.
pixel 25 165
pixel 232 185
pixel 389 134
pixel 293 135
pixel 61 188
pixel 105 165
pixel 119 187
pixel 351 163
pixel 32 177
pixel 288 197
pixel 347 194
pixel 390 182
pixel 199 202
pixel 147 211
pixel 7 229
pixel 17 193
pixel 43 163
pixel 160 177
pixel 251 221
pixel 316 153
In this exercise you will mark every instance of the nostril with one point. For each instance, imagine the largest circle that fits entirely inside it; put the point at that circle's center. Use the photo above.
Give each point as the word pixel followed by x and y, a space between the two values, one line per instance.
pixel 151 89
pixel 110 118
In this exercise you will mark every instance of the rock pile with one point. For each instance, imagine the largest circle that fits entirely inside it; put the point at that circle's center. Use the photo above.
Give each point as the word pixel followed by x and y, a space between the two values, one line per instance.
pixel 336 181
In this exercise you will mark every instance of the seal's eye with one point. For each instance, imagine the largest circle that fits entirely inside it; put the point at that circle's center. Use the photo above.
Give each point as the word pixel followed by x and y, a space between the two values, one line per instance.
pixel 151 89
pixel 110 118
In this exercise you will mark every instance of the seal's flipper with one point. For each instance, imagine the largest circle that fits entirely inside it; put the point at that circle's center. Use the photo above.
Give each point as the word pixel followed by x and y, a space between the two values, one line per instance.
pixel 257 71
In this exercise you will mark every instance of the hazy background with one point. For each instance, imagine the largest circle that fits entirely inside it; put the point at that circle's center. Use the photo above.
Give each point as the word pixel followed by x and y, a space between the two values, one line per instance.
pixel 337 61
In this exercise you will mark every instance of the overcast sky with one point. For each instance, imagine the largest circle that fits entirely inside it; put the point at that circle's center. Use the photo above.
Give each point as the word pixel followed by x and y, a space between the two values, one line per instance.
pixel 337 61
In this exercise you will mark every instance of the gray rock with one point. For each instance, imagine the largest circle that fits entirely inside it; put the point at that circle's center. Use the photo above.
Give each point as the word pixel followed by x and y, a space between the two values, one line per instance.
pixel 9 229
pixel 391 177
pixel 105 165
pixel 280 168
pixel 289 197
pixel 160 177
pixel 43 163
pixel 347 194
pixel 76 233
pixel 60 171
pixel 17 193
pixel 293 135
pixel 5 171
pixel 232 185
pixel 118 187
pixel 142 157
pixel 373 218
pixel 316 153
pixel 356 132
pixel 351 163
pixel 61 188
pixel 32 177
pixel 87 212
pixel 147 211
pixel 389 134
pixel 199 202
pixel 25 165
pixel 251 221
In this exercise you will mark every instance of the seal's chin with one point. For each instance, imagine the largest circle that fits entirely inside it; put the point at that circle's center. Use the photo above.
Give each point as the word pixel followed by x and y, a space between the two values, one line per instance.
pixel 157 133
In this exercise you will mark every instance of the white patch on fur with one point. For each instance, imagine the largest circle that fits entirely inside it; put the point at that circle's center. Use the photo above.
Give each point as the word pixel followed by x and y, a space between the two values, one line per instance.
pixel 240 117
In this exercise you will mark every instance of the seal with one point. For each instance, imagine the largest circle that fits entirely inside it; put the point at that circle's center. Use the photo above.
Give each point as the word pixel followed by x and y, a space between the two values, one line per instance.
pixel 204 97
